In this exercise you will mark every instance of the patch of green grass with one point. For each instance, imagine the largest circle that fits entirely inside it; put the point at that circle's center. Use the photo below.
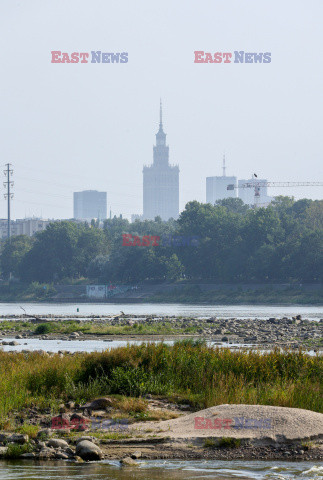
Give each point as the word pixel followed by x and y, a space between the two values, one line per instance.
pixel 209 443
pixel 229 442
pixel 15 451
pixel 28 429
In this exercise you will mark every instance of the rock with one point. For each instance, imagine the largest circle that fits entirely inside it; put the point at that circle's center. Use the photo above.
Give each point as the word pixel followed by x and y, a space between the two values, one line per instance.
pixel 78 459
pixel 18 337
pixel 4 437
pixel 135 455
pixel 99 403
pixel 88 451
pixel 46 453
pixel 88 438
pixel 18 438
pixel 62 408
pixel 70 405
pixel 3 451
pixel 27 455
pixel 61 456
pixel 44 434
pixel 69 452
pixel 13 343
pixel 128 462
pixel 57 443
pixel 224 339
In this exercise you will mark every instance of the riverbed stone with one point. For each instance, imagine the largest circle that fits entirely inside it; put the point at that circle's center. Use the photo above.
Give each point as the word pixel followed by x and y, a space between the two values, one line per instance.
pixel 57 443
pixel 88 451
pixel 3 451
pixel 85 438
pixel 128 462
pixel 20 438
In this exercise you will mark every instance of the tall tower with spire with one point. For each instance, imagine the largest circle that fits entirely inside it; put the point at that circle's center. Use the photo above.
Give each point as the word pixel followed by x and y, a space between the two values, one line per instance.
pixel 160 181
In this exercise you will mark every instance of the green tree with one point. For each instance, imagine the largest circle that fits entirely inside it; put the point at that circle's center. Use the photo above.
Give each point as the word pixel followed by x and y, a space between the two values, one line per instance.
pixel 13 253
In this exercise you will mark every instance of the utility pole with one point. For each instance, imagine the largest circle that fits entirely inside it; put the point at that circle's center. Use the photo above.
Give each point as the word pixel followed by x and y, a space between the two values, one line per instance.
pixel 8 195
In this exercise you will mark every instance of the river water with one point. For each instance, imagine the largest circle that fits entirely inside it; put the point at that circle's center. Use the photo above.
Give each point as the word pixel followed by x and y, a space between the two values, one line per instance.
pixel 163 470
pixel 222 311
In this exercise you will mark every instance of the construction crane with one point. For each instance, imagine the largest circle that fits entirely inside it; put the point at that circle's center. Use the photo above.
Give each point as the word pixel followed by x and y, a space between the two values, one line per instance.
pixel 257 185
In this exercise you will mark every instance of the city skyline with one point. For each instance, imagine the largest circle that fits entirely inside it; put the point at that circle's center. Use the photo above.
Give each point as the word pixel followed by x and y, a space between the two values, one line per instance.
pixel 73 127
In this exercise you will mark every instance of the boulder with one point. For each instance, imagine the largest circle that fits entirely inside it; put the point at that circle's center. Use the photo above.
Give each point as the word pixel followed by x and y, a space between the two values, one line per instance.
pixel 57 443
pixel 88 451
pixel 99 404
pixel 135 455
pixel 87 438
pixel 44 434
pixel 128 462
pixel 61 456
pixel 4 437
pixel 46 453
pixel 3 451
pixel 18 438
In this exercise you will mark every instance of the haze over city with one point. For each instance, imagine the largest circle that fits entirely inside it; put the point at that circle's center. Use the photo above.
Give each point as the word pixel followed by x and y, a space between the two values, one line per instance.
pixel 72 127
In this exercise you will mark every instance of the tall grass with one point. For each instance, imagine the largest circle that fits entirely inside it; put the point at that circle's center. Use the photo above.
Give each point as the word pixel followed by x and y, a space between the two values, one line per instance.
pixel 203 375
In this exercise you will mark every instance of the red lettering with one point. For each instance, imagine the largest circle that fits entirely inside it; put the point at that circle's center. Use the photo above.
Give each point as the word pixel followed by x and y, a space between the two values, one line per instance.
pixel 154 241
pixel 217 423
pixel 227 422
pixel 84 56
pixel 145 241
pixel 55 56
pixel 208 58
pixel 218 57
pixel 226 57
pixel 198 57
pixel 199 422
pixel 75 57
pixel 126 239
pixel 136 241
pixel 66 58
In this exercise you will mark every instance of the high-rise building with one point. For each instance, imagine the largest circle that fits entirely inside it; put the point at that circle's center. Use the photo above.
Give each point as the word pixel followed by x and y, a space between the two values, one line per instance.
pixel 90 204
pixel 160 181
pixel 216 187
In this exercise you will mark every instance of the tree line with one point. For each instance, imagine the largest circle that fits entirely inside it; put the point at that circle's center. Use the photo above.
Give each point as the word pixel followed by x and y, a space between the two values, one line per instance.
pixel 280 243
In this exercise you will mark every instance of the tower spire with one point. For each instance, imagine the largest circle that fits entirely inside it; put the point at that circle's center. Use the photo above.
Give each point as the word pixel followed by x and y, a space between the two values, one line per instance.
pixel 223 165
pixel 160 115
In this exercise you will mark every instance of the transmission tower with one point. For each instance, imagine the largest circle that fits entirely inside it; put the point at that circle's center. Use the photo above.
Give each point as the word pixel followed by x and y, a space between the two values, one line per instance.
pixel 9 195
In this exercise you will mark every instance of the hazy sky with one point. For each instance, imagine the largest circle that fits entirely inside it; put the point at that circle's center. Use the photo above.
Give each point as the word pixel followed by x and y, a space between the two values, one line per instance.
pixel 69 127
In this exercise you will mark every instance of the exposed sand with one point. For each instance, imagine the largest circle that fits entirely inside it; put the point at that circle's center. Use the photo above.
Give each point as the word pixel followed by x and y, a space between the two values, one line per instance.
pixel 260 424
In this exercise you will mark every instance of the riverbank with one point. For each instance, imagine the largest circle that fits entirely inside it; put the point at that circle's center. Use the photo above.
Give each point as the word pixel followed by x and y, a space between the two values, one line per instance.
pixel 292 333
pixel 178 292
pixel 146 399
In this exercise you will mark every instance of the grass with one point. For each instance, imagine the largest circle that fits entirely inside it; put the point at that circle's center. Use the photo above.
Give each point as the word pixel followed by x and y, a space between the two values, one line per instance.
pixel 195 373
pixel 66 327
pixel 28 429
pixel 15 451
pixel 229 442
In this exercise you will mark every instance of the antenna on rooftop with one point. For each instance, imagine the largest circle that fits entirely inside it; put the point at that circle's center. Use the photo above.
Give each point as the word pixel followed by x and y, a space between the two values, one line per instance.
pixel 223 167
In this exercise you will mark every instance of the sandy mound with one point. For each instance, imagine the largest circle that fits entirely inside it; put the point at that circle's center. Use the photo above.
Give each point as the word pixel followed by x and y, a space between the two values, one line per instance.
pixel 261 423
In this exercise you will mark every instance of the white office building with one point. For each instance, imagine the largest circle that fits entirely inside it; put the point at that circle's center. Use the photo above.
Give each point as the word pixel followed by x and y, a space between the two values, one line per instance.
pixel 216 187
pixel 89 205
